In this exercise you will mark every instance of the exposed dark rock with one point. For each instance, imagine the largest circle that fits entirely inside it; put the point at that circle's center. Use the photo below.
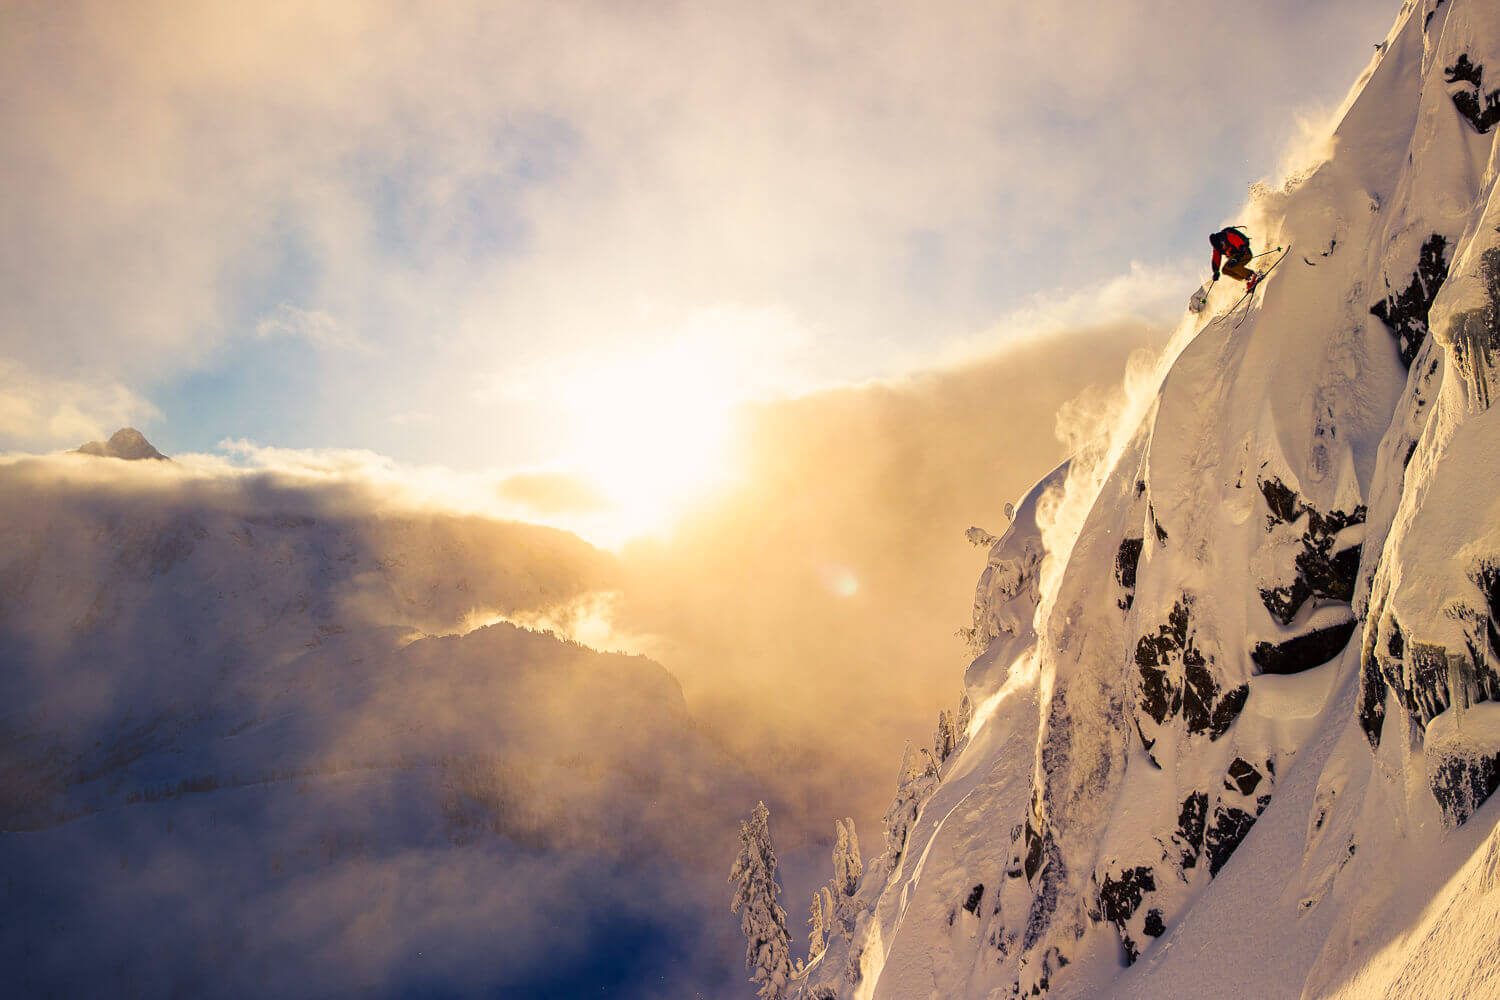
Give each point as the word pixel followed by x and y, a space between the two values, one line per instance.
pixel 1321 570
pixel 1191 821
pixel 1428 696
pixel 1126 561
pixel 1396 643
pixel 1372 690
pixel 1243 777
pixel 1120 897
pixel 1486 680
pixel 1033 852
pixel 1482 117
pixel 1323 529
pixel 1480 110
pixel 1405 314
pixel 1160 698
pixel 1156 924
pixel 1284 602
pixel 1330 578
pixel 1147 743
pixel 975 895
pixel 1313 649
pixel 1229 828
pixel 1204 705
pixel 1464 71
pixel 1461 784
pixel 1282 500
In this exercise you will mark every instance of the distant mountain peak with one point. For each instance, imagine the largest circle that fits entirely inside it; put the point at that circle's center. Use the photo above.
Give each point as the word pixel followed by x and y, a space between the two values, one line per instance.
pixel 127 443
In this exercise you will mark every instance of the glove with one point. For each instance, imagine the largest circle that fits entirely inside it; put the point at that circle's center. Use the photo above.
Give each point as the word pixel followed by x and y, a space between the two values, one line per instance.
pixel 1216 275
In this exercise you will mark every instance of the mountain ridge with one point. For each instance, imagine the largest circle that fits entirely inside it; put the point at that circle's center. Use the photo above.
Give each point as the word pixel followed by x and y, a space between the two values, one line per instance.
pixel 1204 641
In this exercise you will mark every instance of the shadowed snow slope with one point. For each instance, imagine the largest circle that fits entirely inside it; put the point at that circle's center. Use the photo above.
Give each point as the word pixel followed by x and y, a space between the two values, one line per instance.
pixel 1238 715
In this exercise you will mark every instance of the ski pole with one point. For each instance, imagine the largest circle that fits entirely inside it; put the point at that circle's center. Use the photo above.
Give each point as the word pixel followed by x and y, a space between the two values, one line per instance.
pixel 1263 253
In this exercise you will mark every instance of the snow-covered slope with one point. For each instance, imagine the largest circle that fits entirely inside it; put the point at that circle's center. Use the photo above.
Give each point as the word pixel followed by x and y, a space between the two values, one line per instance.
pixel 1238 715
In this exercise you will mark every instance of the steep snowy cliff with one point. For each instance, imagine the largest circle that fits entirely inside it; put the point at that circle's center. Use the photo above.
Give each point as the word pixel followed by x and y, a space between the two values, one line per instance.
pixel 1238 716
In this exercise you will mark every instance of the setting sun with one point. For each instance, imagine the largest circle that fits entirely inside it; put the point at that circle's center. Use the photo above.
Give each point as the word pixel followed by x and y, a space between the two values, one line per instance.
pixel 653 430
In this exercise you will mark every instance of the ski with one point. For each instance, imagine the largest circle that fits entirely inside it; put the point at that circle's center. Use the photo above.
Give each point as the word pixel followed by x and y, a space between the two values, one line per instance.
pixel 1198 301
pixel 1245 299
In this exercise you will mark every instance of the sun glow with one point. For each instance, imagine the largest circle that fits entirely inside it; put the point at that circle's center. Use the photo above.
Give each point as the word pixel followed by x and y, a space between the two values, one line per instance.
pixel 653 430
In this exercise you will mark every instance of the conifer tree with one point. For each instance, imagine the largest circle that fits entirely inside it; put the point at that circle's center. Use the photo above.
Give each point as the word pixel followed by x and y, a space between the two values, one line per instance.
pixel 847 865
pixel 945 741
pixel 763 921
pixel 847 869
pixel 965 717
pixel 817 938
pixel 828 910
pixel 915 782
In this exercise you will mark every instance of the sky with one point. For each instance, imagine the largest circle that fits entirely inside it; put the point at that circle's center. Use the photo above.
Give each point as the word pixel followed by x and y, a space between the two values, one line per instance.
pixel 565 239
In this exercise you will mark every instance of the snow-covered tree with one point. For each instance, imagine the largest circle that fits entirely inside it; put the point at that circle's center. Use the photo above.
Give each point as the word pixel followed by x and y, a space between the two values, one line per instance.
pixel 965 717
pixel 847 865
pixel 979 538
pixel 763 921
pixel 945 740
pixel 817 938
pixel 914 784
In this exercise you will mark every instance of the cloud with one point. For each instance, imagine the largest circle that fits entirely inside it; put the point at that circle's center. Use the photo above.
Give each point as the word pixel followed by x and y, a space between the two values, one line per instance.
pixel 230 762
pixel 548 497
pixel 1146 294
pixel 61 412
pixel 553 493
pixel 286 320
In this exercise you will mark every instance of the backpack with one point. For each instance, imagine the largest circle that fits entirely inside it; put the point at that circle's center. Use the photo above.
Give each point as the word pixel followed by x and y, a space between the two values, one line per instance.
pixel 1231 240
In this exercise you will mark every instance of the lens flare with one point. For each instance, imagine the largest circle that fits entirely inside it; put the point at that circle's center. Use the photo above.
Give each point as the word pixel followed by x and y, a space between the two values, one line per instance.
pixel 840 581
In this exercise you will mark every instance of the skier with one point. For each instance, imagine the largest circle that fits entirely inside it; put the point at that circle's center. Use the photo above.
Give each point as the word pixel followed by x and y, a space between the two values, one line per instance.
pixel 1235 247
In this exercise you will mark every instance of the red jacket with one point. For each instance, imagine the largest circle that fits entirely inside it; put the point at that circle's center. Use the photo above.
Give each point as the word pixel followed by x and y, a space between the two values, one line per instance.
pixel 1228 242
